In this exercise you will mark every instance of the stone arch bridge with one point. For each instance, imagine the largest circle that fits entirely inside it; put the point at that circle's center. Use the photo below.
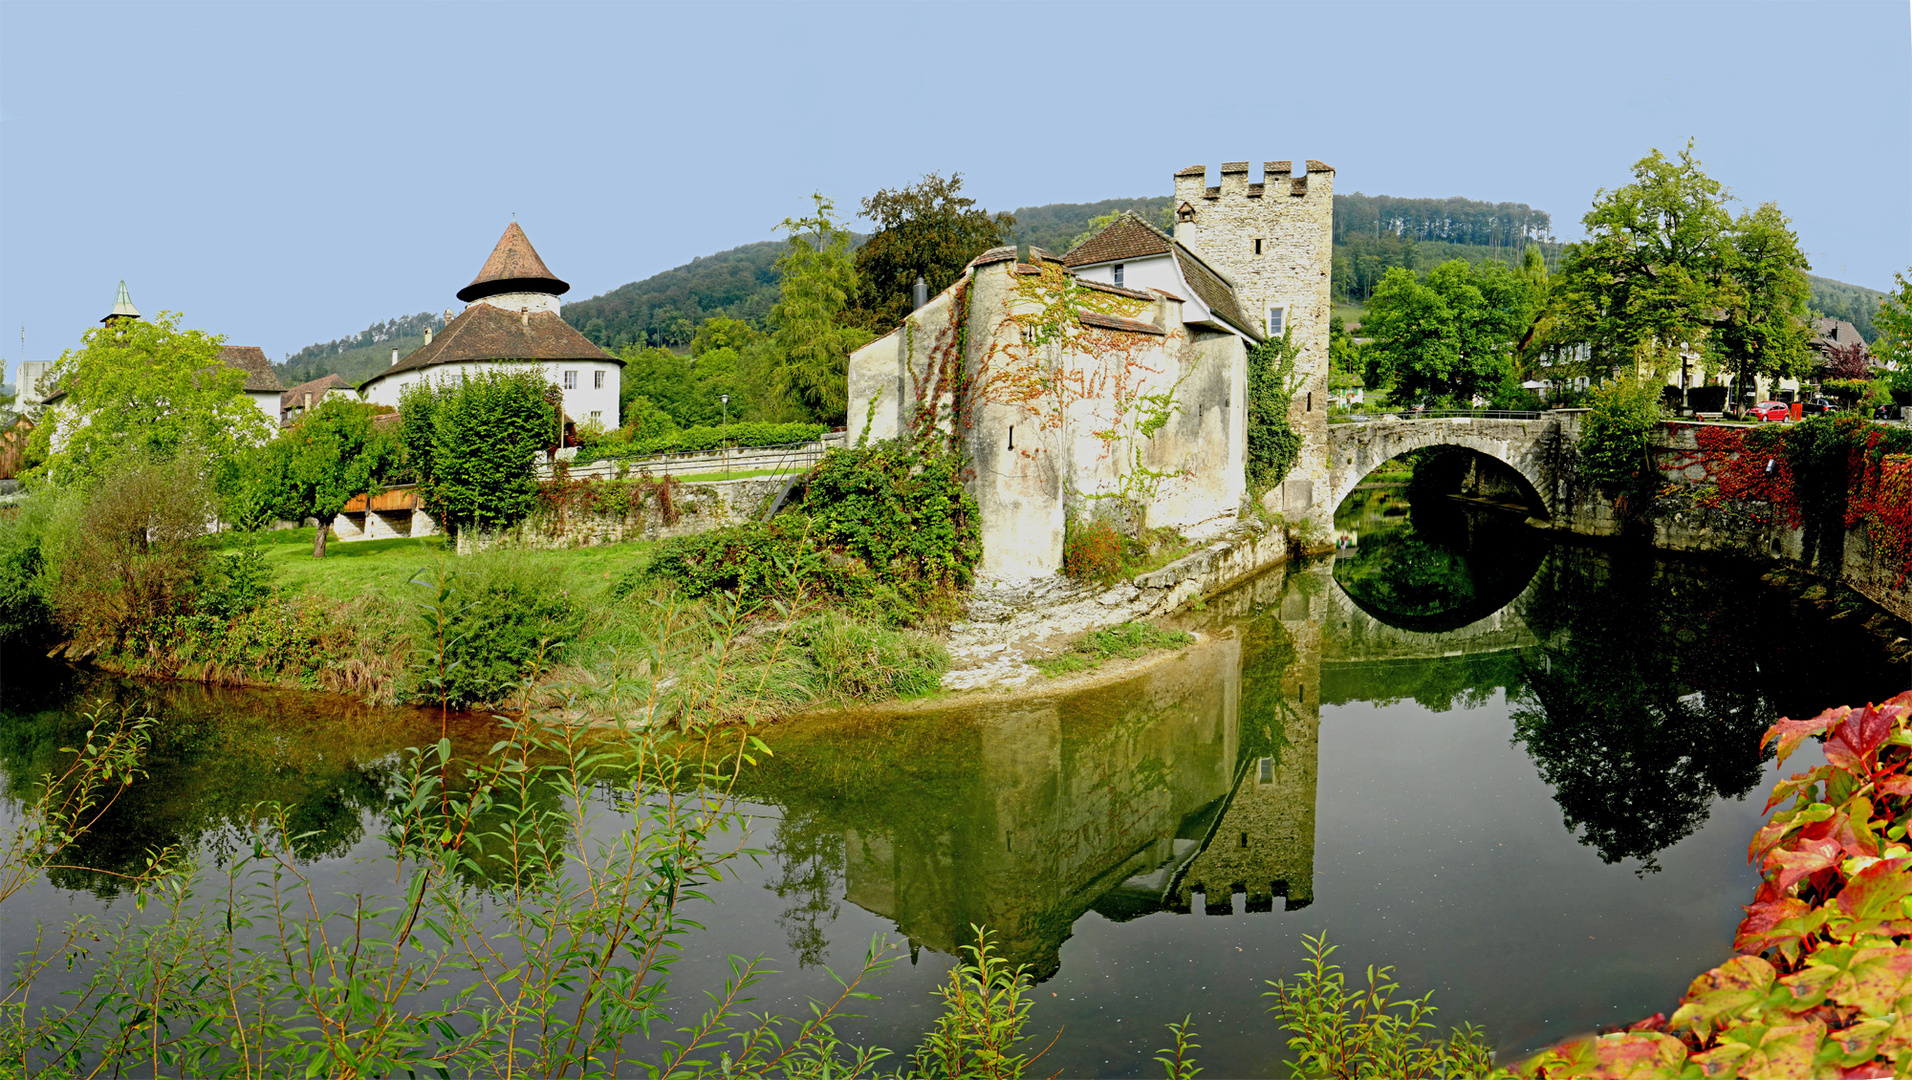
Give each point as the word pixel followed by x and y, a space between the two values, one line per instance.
pixel 1522 441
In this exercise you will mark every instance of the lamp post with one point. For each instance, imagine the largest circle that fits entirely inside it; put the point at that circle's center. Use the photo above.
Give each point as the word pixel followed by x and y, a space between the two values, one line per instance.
pixel 724 434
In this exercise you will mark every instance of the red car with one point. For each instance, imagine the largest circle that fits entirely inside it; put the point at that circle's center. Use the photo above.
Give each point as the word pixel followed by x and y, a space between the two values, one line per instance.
pixel 1771 410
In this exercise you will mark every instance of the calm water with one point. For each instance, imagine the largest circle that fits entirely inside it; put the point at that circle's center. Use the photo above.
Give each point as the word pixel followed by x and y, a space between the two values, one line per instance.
pixel 1524 773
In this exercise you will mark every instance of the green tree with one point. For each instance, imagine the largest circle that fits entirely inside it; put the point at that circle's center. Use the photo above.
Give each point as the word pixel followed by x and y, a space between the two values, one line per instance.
pixel 719 332
pixel 472 445
pixel 928 229
pixel 1652 272
pixel 335 452
pixel 811 332
pixel 147 391
pixel 1893 348
pixel 1451 337
pixel 1764 328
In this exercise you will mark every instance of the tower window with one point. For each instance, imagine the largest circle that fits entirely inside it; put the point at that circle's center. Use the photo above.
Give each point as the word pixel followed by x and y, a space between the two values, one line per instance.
pixel 597 380
pixel 570 380
pixel 1118 273
pixel 1265 770
pixel 1275 321
pixel 1257 246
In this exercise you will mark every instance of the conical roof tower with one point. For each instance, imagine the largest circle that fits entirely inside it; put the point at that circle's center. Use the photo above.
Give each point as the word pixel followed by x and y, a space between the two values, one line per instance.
pixel 514 267
pixel 122 306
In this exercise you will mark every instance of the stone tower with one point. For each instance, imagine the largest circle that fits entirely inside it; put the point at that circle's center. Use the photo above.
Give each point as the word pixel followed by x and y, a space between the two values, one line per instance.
pixel 1274 239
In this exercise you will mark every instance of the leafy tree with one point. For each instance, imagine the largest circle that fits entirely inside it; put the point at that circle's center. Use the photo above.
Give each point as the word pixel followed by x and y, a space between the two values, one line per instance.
pixel 147 391
pixel 1893 348
pixel 472 445
pixel 1451 337
pixel 927 229
pixel 334 453
pixel 1651 273
pixel 1765 325
pixel 719 332
pixel 1616 445
pixel 811 332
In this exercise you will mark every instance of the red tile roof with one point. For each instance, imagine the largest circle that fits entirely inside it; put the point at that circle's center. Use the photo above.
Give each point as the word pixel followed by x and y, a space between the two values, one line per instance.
pixel 318 388
pixel 514 266
pixel 1127 237
pixel 485 332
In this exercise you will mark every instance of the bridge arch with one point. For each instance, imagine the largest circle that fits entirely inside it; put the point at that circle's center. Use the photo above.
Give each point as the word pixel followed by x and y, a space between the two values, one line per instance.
pixel 1357 449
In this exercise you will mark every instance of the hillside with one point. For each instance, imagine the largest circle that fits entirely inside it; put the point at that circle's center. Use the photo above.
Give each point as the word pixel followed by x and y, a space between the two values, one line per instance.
pixel 1372 233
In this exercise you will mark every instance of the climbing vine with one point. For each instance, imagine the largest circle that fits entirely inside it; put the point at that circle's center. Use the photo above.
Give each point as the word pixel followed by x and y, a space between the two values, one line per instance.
pixel 1273 443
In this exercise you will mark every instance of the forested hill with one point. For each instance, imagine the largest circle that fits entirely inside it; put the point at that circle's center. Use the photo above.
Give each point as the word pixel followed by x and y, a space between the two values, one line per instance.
pixel 1372 233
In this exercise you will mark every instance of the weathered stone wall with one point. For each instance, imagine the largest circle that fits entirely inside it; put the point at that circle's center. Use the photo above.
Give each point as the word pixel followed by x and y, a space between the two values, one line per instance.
pixel 700 508
pixel 1530 447
pixel 1290 218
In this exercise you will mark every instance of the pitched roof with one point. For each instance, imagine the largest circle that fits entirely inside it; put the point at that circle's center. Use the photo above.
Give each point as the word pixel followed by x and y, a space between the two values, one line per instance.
pixel 485 332
pixel 318 388
pixel 1828 333
pixel 251 359
pixel 1117 322
pixel 514 266
pixel 1214 291
pixel 1127 237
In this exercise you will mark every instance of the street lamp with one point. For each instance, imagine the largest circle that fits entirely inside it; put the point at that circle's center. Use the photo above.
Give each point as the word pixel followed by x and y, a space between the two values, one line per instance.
pixel 724 434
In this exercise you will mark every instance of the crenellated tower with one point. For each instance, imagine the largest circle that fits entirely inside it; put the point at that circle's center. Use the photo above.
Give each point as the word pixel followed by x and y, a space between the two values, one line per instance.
pixel 1274 239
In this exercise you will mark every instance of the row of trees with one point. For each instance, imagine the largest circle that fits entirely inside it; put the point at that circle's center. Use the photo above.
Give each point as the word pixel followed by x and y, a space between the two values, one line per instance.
pixel 1666 269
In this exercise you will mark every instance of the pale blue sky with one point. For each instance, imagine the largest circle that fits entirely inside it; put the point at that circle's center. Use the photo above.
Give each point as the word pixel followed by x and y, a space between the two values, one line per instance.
pixel 286 173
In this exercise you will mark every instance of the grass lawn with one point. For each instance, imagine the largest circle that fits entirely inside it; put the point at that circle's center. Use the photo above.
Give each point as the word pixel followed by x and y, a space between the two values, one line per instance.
pixel 387 565
pixel 1351 314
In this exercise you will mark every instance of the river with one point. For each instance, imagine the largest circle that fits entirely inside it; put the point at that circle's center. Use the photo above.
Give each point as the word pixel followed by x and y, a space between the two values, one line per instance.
pixel 1523 772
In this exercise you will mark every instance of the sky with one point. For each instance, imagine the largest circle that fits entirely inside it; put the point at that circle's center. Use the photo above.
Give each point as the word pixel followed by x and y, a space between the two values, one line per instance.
pixel 286 174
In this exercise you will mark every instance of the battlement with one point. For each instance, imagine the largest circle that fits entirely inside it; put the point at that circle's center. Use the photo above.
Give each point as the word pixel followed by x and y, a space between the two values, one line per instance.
pixel 1192 189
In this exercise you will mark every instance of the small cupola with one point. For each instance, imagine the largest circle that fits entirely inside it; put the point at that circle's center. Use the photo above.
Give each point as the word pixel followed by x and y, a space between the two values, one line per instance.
pixel 122 307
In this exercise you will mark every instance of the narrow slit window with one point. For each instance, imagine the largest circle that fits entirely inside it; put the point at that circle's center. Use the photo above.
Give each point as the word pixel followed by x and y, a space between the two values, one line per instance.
pixel 1012 436
pixel 1258 245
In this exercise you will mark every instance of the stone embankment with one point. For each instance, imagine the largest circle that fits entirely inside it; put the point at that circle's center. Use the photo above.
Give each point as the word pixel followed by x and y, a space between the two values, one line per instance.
pixel 1011 623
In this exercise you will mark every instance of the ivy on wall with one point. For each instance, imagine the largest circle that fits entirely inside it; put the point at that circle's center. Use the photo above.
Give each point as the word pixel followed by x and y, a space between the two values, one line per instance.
pixel 1273 443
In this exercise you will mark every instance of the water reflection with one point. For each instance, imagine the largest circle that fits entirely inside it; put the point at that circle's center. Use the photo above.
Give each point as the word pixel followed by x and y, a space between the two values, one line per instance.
pixel 1444 566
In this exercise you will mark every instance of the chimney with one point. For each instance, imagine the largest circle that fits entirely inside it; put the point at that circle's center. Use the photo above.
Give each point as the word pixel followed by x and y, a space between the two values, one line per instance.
pixel 921 293
pixel 428 335
pixel 308 401
pixel 394 357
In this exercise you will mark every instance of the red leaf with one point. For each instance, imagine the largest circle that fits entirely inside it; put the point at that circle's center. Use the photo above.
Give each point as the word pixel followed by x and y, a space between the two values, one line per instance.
pixel 1803 860
pixel 1855 740
pixel 1790 732
pixel 1771 923
pixel 1895 785
pixel 1872 895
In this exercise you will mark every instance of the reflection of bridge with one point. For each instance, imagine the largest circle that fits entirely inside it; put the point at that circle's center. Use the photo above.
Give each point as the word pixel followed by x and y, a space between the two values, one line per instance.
pixel 1525 445
pixel 1351 633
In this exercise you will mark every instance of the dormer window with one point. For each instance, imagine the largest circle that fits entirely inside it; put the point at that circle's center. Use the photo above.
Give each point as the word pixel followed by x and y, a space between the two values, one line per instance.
pixel 1118 273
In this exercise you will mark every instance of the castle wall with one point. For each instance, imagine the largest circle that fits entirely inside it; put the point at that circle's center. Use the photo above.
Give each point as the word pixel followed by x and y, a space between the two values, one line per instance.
pixel 1292 217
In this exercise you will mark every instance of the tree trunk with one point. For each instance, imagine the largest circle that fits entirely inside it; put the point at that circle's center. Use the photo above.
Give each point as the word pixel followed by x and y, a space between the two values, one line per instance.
pixel 318 538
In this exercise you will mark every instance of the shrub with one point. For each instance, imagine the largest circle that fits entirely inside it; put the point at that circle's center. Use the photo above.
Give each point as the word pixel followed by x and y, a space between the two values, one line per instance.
pixel 660 439
pixel 1092 551
pixel 308 641
pixel 488 624
pixel 129 563
pixel 1615 448
pixel 860 660
pixel 26 621
pixel 472 444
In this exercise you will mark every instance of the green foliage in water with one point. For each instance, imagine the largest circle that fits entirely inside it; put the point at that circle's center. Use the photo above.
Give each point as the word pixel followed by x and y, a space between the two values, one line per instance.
pixel 1365 1031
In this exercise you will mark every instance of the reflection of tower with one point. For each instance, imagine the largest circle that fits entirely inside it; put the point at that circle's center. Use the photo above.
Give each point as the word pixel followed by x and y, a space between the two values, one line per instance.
pixel 1264 843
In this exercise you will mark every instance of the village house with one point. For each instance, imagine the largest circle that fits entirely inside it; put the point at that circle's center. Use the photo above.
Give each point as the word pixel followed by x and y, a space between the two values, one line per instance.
pixel 306 396
pixel 1112 381
pixel 511 319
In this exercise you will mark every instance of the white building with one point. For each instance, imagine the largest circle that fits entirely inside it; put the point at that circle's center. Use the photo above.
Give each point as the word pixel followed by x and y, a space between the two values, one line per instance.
pixel 511 320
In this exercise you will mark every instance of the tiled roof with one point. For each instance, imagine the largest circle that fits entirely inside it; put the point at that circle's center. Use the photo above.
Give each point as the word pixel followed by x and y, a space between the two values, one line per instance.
pixel 1319 166
pixel 1127 237
pixel 1827 333
pixel 1103 286
pixel 1116 322
pixel 485 332
pixel 251 359
pixel 514 266
pixel 994 255
pixel 1194 170
pixel 1215 292
pixel 318 388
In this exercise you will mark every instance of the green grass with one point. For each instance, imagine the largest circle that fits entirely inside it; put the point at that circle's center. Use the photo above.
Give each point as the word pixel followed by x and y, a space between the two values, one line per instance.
pixel 362 566
pixel 1125 640
pixel 1350 313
